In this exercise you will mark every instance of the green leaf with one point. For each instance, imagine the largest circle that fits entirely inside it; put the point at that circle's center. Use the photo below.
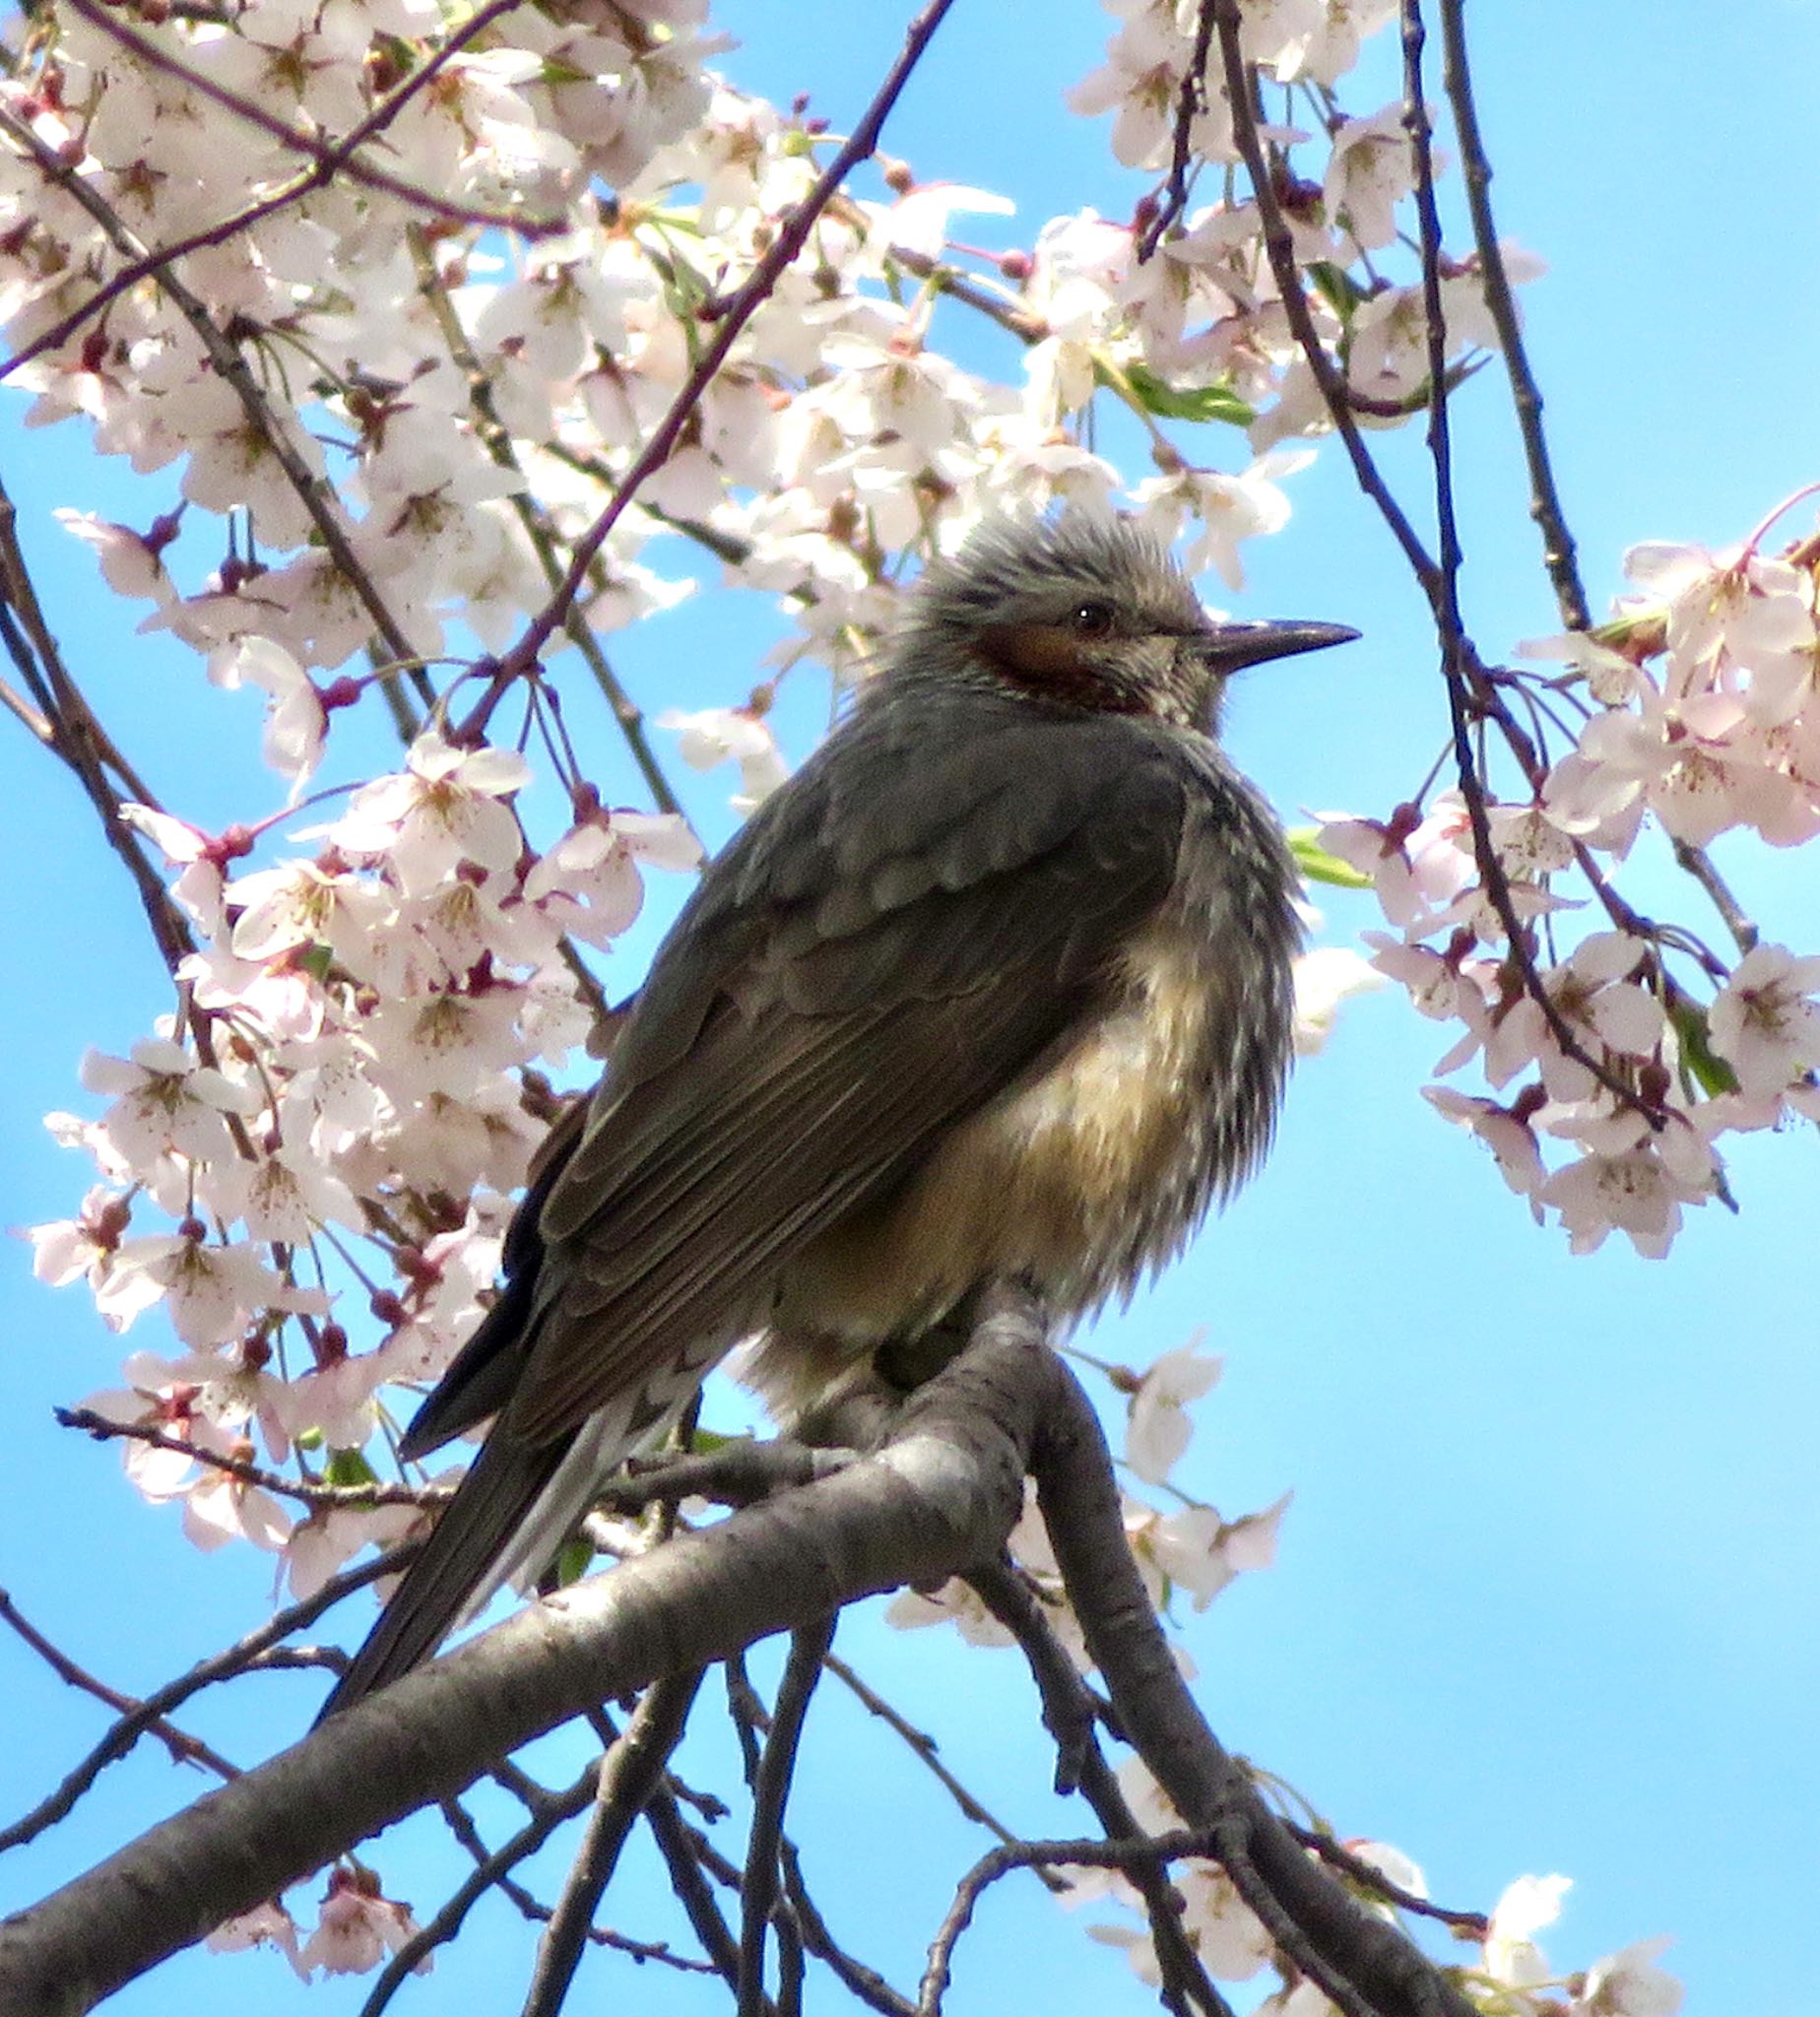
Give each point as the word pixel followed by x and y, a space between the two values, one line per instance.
pixel 1699 1060
pixel 1336 286
pixel 316 960
pixel 348 1467
pixel 573 1562
pixel 1318 865
pixel 1189 403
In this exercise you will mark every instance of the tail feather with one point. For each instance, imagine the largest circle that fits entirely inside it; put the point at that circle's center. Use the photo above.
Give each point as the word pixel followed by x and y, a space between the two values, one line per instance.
pixel 513 1511
pixel 460 1566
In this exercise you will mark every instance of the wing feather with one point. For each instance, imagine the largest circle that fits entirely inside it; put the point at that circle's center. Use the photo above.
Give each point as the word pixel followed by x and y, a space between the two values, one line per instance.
pixel 840 1037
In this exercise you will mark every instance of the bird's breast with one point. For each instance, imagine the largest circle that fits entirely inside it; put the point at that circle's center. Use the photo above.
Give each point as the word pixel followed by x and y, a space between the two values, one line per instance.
pixel 1093 1169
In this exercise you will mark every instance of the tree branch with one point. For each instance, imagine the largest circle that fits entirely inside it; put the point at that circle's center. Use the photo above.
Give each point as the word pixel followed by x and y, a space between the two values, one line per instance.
pixel 1327 1933
pixel 776 1769
pixel 940 1495
pixel 733 317
pixel 630 1774
pixel 327 161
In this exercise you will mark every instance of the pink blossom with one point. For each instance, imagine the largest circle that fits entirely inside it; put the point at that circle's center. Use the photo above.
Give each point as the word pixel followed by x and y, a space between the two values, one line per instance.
pixel 1512 1957
pixel 1628 1984
pixel 357 1928
pixel 1195 1550
pixel 1369 173
pixel 1227 509
pixel 1510 1139
pixel 719 735
pixel 165 1103
pixel 446 808
pixel 131 562
pixel 1157 1428
pixel 1420 863
pixel 265 1926
pixel 220 1508
pixel 1762 1021
pixel 1326 976
pixel 1634 1192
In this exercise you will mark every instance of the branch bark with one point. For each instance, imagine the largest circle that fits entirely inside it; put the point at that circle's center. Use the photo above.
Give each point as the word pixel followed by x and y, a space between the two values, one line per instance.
pixel 1361 1963
pixel 938 1497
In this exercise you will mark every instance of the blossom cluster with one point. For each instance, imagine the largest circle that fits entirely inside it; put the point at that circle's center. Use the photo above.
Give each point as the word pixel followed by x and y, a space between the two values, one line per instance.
pixel 1511 1974
pixel 369 1013
pixel 1696 710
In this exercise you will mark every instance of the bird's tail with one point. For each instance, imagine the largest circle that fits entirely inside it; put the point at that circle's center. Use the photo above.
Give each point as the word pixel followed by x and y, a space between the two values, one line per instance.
pixel 473 1548
pixel 513 1511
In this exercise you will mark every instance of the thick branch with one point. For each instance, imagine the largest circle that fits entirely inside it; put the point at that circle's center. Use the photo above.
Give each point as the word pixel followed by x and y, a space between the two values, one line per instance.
pixel 1366 1960
pixel 941 1496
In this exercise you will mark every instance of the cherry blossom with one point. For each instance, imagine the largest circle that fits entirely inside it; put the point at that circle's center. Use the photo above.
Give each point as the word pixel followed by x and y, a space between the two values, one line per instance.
pixel 1227 508
pixel 265 1926
pixel 357 1929
pixel 723 735
pixel 1762 1021
pixel 444 809
pixel 1512 1957
pixel 164 1102
pixel 1629 1984
pixel 1158 1428
pixel 1326 978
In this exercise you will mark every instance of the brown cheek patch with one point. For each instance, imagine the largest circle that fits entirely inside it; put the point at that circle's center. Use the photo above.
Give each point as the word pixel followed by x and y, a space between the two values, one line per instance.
pixel 1047 660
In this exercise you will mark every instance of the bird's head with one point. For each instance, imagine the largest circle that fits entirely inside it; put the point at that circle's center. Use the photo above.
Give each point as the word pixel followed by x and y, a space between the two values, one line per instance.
pixel 1088 613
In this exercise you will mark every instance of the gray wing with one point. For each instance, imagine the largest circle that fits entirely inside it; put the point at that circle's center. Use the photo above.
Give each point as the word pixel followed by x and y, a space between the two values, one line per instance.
pixel 901 942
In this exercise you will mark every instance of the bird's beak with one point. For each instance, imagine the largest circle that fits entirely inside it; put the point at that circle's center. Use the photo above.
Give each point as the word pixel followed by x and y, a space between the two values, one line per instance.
pixel 1228 646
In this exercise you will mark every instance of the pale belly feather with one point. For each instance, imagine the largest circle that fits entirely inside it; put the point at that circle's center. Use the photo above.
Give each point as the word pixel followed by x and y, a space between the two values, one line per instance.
pixel 1075 1181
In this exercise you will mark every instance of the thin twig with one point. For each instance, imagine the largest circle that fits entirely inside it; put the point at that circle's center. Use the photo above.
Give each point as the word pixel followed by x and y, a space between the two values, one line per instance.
pixel 1465 679
pixel 751 1721
pixel 332 158
pixel 1026 327
pixel 1232 1845
pixel 80 740
pixel 539 529
pixel 927 1751
pixel 733 317
pixel 1738 921
pixel 435 1932
pixel 865 1983
pixel 328 163
pixel 1191 101
pixel 184 1749
pixel 676 1842
pixel 630 1773
pixel 358 1498
pixel 1558 549
pixel 771 1792
pixel 1369 1877
pixel 315 495
pixel 1129 1854
pixel 1070 1713
pixel 220 1666
pixel 1280 250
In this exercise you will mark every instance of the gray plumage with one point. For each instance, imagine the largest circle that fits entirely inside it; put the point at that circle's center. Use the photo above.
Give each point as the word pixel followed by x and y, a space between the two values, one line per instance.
pixel 998 984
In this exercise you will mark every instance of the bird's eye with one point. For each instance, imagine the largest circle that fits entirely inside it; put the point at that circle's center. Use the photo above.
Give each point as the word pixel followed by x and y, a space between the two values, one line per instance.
pixel 1092 620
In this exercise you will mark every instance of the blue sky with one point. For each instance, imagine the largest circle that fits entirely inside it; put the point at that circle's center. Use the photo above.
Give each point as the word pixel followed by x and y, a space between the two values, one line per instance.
pixel 1546 1597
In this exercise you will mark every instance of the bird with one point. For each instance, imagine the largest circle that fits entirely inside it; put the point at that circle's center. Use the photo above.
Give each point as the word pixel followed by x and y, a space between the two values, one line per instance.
pixel 997 986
